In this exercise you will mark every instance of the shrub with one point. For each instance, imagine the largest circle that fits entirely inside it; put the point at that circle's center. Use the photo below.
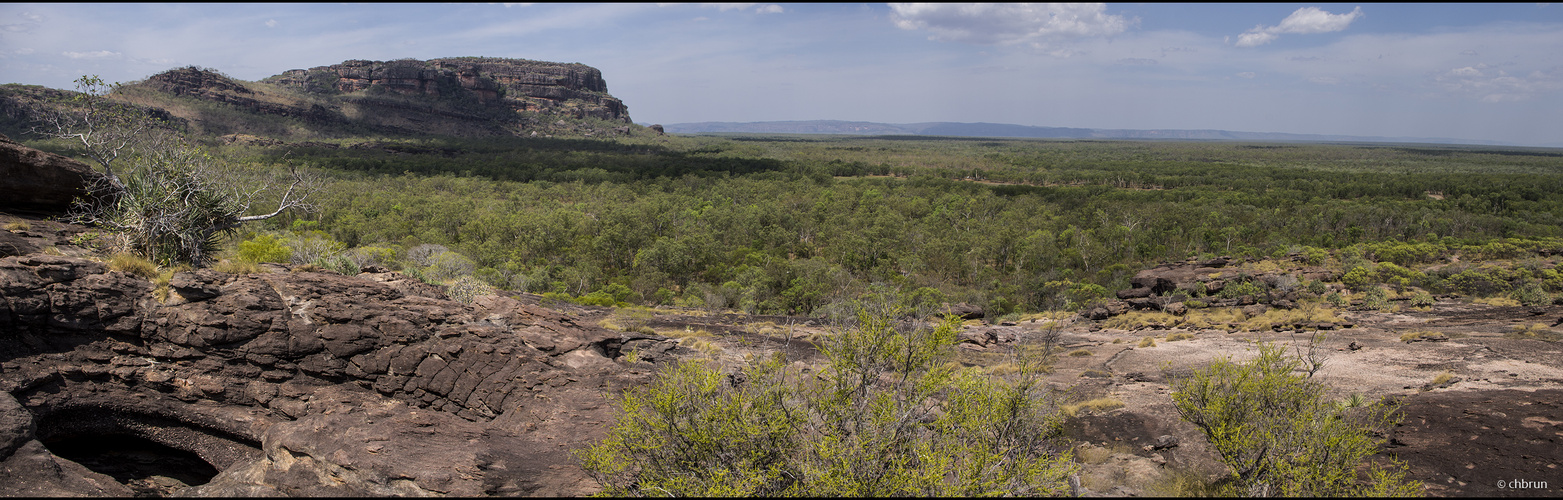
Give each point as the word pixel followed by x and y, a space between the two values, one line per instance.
pixel 1532 294
pixel 1247 287
pixel 1422 299
pixel 1147 342
pixel 1336 299
pixel 1375 298
pixel 467 288
pixel 1280 437
pixel 264 248
pixel 310 247
pixel 1358 278
pixel 890 416
pixel 339 263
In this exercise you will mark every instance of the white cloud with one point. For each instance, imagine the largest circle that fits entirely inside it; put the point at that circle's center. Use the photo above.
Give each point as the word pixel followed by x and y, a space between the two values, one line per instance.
pixel 1247 74
pixel 1137 61
pixel 271 23
pixel 29 21
pixel 769 8
pixel 1489 84
pixel 1325 80
pixel 1002 24
pixel 96 54
pixel 1307 20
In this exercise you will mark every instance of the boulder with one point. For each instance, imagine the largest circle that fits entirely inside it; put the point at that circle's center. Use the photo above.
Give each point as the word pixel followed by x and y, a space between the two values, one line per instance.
pixel 962 310
pixel 38 181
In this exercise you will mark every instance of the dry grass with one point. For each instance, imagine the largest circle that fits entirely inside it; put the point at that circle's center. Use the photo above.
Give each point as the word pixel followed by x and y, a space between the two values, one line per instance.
pixel 133 264
pixel 20 225
pixel 1045 316
pixel 1147 342
pixel 1088 454
pixel 687 332
pixel 52 250
pixel 238 266
pixel 1534 331
pixel 629 319
pixel 1227 318
pixel 1496 301
pixel 1443 378
pixel 1179 336
pixel 1081 353
pixel 1097 405
pixel 1307 313
pixel 766 328
pixel 702 345
pixel 1182 483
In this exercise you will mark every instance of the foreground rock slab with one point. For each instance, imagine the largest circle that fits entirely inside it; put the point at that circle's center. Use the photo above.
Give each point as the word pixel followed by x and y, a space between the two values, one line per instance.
pixel 293 384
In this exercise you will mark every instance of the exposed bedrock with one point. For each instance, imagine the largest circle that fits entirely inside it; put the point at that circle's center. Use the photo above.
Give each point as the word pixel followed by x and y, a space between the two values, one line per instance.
pixel 291 384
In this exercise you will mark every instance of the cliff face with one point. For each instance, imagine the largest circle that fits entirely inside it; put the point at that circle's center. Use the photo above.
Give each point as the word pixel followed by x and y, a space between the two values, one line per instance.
pixel 572 89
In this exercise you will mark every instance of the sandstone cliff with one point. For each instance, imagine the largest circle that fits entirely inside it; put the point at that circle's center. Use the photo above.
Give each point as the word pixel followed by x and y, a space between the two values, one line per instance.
pixel 459 97
pixel 572 89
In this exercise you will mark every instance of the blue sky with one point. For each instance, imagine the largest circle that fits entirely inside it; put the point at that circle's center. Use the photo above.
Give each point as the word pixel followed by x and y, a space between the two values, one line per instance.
pixel 1465 71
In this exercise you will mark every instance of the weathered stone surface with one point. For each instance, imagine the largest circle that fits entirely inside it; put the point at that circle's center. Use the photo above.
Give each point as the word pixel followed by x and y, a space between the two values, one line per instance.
pixel 37 181
pixel 301 383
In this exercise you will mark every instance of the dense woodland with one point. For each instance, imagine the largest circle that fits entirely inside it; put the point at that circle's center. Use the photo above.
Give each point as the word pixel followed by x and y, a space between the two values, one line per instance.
pixel 803 224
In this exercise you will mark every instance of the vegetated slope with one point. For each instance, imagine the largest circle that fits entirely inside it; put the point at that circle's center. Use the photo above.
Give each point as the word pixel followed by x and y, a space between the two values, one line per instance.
pixel 803 225
pixel 461 97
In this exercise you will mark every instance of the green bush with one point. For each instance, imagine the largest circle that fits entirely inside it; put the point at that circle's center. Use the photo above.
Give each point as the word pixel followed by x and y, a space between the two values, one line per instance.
pixel 892 415
pixel 1375 299
pixel 1358 278
pixel 264 248
pixel 1279 435
pixel 1532 294
pixel 1242 288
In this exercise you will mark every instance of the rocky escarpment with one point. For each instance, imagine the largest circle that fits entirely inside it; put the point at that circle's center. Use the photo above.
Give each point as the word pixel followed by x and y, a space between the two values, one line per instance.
pixel 292 384
pixel 571 89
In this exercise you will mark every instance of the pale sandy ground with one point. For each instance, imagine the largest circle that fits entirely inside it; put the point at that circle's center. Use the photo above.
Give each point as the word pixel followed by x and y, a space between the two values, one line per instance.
pixel 1117 446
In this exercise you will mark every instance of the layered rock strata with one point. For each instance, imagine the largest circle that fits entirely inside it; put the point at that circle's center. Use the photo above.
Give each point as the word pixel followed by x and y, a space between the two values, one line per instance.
pixel 518 83
pixel 297 383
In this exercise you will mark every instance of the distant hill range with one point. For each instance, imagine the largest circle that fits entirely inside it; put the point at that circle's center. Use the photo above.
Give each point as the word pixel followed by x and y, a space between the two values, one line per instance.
pixel 953 129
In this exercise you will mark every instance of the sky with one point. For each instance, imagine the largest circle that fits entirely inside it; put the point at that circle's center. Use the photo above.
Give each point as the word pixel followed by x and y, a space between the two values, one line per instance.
pixel 1491 72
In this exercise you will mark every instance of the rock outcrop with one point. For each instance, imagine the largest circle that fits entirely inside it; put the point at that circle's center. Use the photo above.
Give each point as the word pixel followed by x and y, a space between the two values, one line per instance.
pixel 1166 286
pixel 523 85
pixel 38 181
pixel 294 384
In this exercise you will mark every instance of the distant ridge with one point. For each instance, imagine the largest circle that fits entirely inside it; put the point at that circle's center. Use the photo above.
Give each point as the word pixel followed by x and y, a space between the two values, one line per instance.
pixel 1009 130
